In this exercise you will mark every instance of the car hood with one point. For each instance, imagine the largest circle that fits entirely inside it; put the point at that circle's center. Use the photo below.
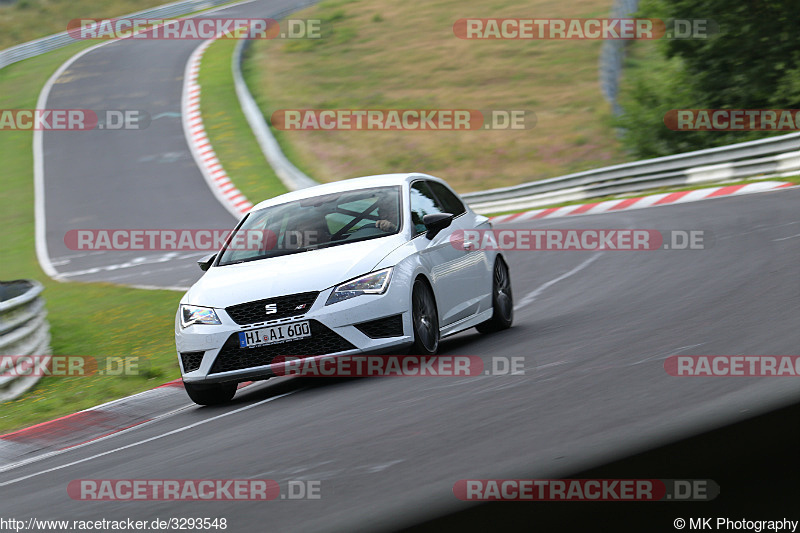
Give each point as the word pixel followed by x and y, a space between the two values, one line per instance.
pixel 314 270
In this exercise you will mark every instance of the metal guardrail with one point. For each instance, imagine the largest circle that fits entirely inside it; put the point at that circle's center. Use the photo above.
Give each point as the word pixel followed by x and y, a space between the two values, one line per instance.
pixel 24 330
pixel 771 157
pixel 59 40
pixel 292 177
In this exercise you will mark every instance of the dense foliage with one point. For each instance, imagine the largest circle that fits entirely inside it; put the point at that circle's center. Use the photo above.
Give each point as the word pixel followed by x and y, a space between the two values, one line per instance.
pixel 752 62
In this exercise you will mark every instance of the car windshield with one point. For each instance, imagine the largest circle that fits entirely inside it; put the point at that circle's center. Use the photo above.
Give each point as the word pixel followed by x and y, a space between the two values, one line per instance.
pixel 312 223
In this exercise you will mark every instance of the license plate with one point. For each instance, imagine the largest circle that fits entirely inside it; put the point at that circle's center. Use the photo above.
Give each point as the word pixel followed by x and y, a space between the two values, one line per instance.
pixel 274 335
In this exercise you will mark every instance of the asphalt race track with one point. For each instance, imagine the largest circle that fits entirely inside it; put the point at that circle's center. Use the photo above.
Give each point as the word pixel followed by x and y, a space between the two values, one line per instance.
pixel 388 450
pixel 130 179
pixel 593 328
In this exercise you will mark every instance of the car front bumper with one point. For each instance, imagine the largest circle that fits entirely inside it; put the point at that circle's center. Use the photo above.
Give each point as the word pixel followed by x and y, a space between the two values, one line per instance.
pixel 337 329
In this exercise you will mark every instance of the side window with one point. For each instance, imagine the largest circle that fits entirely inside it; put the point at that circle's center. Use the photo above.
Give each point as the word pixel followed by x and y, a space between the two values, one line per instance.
pixel 449 201
pixel 423 202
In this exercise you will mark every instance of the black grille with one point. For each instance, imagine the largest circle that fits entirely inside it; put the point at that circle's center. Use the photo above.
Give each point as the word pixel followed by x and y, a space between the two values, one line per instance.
pixel 322 341
pixel 390 326
pixel 191 360
pixel 252 312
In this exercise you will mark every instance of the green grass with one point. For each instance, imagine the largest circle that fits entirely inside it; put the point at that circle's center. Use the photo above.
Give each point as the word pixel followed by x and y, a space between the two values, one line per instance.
pixel 94 319
pixel 251 73
pixel 86 319
pixel 26 20
pixel 379 54
pixel 791 179
pixel 227 127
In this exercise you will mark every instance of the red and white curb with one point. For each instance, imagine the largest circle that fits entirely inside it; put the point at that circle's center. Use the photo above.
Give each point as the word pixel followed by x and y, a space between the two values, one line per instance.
pixel 199 144
pixel 641 202
pixel 93 424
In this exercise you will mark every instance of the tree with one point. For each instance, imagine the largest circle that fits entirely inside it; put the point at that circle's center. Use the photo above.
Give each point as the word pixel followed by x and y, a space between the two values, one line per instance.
pixel 753 62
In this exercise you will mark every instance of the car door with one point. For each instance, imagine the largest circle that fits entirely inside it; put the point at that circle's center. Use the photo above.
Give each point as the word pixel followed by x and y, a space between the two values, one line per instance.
pixel 448 266
pixel 476 275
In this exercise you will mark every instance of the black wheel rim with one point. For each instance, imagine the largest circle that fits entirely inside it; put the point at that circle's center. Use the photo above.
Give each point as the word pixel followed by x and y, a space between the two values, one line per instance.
pixel 502 290
pixel 425 321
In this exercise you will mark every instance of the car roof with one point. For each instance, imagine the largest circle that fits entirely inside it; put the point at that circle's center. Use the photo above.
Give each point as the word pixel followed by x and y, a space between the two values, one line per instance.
pixel 379 180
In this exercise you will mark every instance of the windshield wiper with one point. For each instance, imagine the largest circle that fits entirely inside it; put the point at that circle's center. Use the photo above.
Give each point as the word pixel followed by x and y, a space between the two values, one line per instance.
pixel 258 257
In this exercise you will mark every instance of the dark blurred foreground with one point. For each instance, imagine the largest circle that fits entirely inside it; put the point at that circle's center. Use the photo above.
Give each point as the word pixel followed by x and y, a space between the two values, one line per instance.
pixel 756 464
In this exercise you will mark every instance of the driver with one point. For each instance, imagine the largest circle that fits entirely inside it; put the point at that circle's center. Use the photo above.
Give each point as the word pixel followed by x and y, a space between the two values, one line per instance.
pixel 387 216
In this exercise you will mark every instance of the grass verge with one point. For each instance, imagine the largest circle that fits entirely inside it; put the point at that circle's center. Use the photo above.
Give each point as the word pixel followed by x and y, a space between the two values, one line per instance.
pixel 380 54
pixel 26 20
pixel 86 319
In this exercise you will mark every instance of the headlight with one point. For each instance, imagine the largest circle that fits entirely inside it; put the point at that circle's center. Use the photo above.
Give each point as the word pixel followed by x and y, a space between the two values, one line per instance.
pixel 193 314
pixel 372 283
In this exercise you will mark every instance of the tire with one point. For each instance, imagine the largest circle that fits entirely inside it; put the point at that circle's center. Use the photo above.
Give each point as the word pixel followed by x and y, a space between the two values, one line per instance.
pixel 210 394
pixel 502 300
pixel 425 320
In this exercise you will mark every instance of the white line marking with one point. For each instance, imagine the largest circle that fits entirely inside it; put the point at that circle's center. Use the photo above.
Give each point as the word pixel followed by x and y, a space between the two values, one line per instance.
pixel 786 238
pixel 531 296
pixel 40 221
pixel 175 288
pixel 145 441
pixel 548 365
pixel 38 170
pixel 74 256
pixel 757 229
pixel 662 356
pixel 135 262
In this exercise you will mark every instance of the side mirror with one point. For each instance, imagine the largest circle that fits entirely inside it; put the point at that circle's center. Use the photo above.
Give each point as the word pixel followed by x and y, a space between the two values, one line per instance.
pixel 206 262
pixel 436 222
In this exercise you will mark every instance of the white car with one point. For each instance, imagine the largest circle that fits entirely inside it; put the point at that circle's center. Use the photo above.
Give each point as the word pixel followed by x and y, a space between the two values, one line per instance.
pixel 359 266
